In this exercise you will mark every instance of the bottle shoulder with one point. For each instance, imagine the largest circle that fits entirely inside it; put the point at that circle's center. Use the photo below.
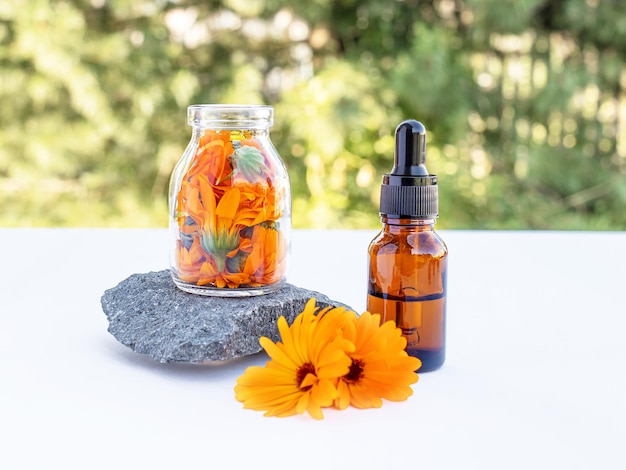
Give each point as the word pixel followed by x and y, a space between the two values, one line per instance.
pixel 412 242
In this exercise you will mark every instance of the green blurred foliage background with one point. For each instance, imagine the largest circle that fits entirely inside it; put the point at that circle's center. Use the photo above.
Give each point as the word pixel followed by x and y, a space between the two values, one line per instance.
pixel 524 101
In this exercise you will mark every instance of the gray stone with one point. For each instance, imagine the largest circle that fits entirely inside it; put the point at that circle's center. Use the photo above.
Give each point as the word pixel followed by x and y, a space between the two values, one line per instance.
pixel 149 314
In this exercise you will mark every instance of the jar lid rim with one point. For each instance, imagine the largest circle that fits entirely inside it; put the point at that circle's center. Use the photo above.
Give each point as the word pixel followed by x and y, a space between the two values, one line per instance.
pixel 233 116
pixel 229 106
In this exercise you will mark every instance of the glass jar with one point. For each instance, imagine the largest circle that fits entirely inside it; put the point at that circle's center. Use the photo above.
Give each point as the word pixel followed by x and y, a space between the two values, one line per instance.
pixel 229 205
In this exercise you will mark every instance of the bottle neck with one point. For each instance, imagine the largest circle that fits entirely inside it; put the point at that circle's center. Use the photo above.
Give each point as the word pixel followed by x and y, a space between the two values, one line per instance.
pixel 235 133
pixel 234 128
pixel 396 225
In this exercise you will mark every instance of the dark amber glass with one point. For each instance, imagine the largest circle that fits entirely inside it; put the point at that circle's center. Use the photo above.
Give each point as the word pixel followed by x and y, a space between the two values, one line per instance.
pixel 407 284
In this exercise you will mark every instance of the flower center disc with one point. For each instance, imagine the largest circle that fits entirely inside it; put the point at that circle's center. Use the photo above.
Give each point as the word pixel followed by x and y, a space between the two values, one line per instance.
pixel 303 371
pixel 355 373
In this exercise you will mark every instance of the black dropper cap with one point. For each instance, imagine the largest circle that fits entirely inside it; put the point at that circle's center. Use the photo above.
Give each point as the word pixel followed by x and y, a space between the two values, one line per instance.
pixel 409 191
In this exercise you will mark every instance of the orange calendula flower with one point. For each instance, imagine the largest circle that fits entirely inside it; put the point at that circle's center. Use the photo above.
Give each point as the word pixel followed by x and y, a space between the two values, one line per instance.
pixel 302 372
pixel 380 367
pixel 333 358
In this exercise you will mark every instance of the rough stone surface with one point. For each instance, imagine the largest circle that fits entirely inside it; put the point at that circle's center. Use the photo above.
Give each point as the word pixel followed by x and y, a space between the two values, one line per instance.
pixel 149 314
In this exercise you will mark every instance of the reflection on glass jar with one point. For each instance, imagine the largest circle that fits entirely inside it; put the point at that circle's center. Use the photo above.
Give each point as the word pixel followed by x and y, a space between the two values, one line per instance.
pixel 230 205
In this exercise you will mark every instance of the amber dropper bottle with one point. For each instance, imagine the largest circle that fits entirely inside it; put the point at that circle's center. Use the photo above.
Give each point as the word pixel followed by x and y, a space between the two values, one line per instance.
pixel 407 259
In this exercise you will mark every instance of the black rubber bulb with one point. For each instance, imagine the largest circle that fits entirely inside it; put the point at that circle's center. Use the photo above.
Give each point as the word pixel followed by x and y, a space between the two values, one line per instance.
pixel 410 153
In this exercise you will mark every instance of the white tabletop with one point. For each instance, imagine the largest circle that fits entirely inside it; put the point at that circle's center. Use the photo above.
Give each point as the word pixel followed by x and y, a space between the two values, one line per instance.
pixel 535 375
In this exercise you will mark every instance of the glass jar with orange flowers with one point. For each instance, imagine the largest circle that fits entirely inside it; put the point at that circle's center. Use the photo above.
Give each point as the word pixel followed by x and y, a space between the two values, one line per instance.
pixel 230 205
